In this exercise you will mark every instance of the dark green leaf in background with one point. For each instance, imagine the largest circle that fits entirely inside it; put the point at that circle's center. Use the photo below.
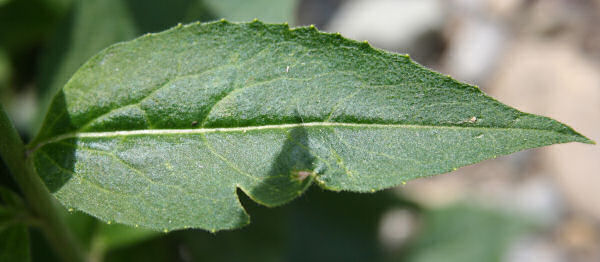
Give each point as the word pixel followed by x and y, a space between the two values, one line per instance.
pixel 12 208
pixel 97 237
pixel 330 226
pixel 321 226
pixel 25 23
pixel 14 237
pixel 5 71
pixel 160 131
pixel 14 244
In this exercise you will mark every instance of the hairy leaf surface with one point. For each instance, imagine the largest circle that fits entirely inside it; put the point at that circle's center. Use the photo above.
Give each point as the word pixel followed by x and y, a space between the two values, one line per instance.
pixel 160 131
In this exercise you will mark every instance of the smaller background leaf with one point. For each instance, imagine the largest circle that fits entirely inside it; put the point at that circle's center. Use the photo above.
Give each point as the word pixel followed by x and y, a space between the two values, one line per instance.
pixel 10 198
pixel 329 226
pixel 98 238
pixel 14 244
pixel 26 24
pixel 12 208
pixel 464 234
pixel 14 236
pixel 320 226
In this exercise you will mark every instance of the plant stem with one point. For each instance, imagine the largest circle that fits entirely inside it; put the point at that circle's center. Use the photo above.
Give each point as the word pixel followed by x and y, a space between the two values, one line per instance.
pixel 39 200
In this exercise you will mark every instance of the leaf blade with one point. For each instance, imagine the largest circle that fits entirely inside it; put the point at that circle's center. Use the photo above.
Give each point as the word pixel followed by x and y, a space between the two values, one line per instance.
pixel 164 128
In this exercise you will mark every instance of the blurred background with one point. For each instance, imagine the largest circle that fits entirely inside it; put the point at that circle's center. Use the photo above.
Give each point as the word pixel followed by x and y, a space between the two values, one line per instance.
pixel 541 57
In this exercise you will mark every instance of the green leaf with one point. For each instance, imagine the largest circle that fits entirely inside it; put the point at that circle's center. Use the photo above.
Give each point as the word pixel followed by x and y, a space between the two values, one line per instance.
pixel 463 234
pixel 14 244
pixel 160 131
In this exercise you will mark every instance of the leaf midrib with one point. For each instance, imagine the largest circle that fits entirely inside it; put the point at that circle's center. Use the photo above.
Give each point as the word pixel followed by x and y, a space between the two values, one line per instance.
pixel 267 127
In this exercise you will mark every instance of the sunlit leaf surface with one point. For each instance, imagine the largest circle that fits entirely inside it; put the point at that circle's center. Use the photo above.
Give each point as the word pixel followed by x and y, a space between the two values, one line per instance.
pixel 160 131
